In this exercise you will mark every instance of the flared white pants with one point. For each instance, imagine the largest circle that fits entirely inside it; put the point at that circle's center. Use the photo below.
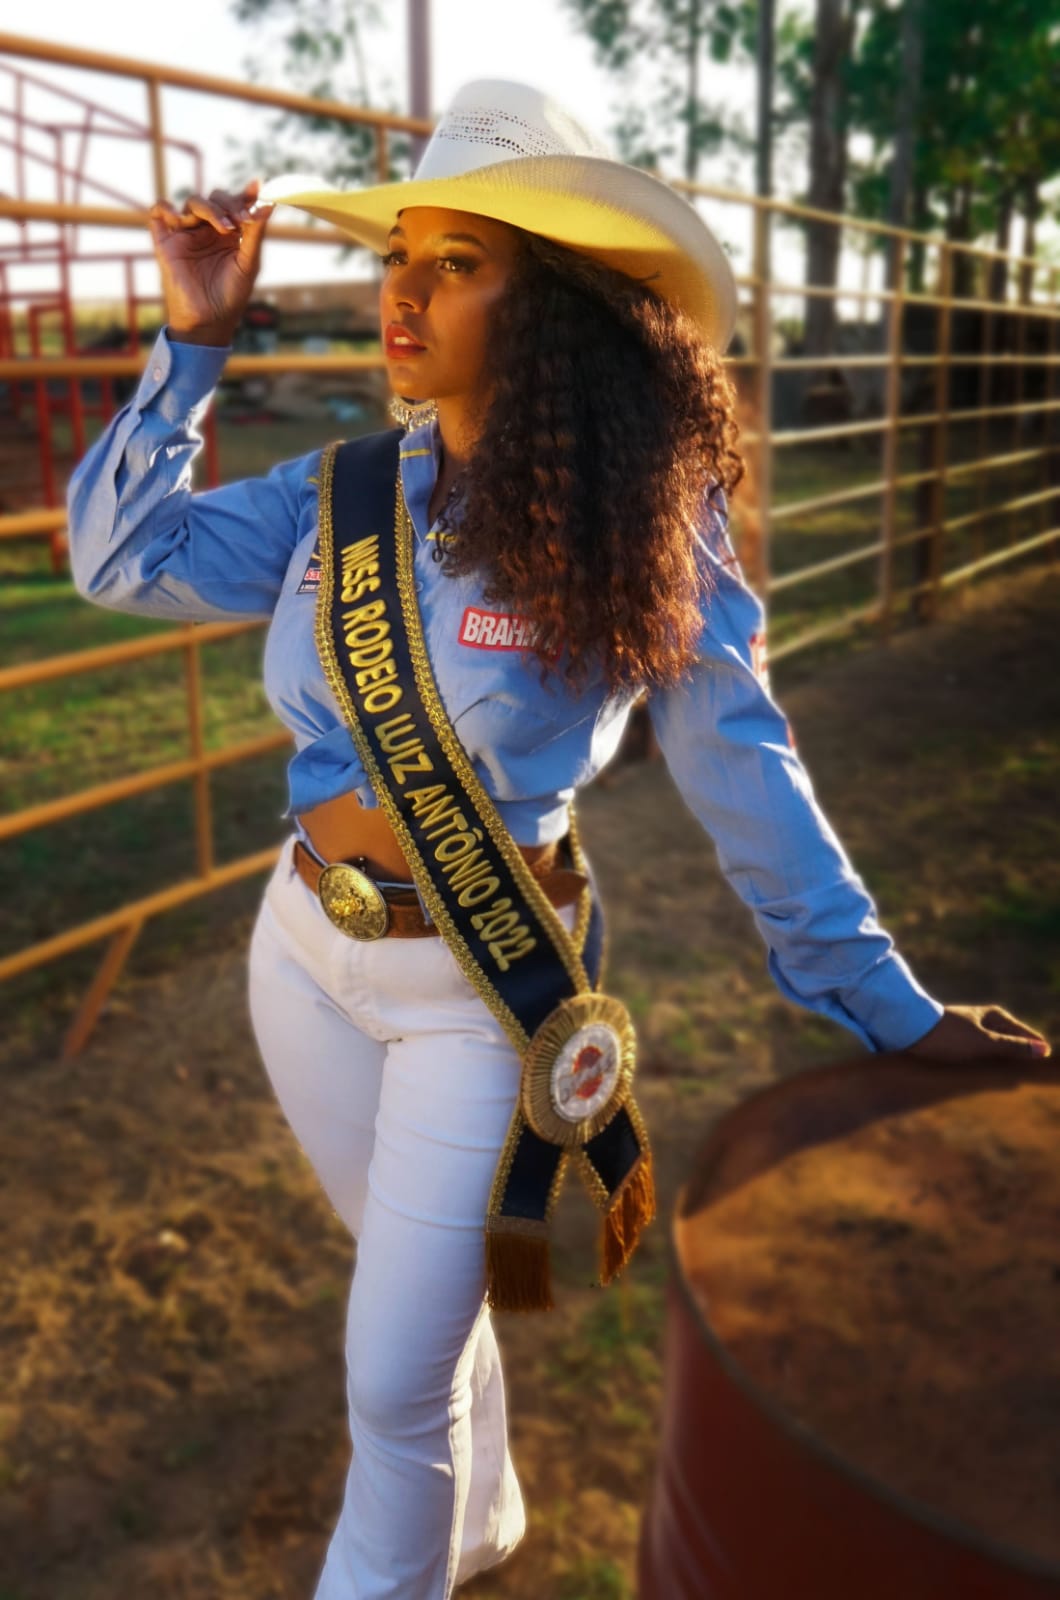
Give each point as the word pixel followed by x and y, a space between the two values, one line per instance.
pixel 399 1084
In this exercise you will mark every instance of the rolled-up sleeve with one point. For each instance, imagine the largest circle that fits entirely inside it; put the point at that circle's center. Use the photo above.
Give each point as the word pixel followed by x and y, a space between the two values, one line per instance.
pixel 140 540
pixel 728 746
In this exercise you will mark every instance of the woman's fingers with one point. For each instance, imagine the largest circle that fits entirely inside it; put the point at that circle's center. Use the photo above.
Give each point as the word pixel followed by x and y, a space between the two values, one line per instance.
pixel 1003 1022
pixel 1007 1031
pixel 223 210
pixel 971 1032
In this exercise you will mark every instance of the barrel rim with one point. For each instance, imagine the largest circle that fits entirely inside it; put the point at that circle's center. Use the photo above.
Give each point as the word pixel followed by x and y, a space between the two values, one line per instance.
pixel 717 1140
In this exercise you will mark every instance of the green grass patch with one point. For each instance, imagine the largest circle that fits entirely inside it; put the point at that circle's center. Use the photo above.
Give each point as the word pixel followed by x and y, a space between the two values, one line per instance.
pixel 593 1578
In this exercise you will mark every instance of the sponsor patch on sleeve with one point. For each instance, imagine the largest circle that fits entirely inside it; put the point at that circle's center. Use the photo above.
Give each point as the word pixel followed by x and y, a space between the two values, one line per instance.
pixel 760 659
pixel 311 581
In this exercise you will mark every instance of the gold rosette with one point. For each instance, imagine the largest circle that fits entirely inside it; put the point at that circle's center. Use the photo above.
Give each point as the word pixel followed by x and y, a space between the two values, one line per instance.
pixel 578 1069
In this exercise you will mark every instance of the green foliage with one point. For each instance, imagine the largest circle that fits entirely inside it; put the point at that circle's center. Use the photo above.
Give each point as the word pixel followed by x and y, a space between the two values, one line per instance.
pixel 988 117
pixel 593 1578
pixel 320 41
pixel 673 39
pixel 987 108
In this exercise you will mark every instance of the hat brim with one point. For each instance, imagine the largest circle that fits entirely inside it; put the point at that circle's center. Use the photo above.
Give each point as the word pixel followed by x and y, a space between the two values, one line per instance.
pixel 614 212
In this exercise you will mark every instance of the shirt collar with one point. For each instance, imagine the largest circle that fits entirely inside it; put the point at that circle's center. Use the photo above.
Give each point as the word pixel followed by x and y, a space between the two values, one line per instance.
pixel 421 462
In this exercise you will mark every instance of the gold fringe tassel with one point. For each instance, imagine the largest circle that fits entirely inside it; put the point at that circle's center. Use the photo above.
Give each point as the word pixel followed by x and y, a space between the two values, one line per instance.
pixel 517 1271
pixel 629 1213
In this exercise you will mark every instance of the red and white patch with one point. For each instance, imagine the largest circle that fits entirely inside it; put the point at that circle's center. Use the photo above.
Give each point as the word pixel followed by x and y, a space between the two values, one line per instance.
pixel 760 658
pixel 495 630
pixel 585 1072
pixel 311 581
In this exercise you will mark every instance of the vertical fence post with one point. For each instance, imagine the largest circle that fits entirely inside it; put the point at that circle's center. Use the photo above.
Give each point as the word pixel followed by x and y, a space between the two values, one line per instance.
pixel 1016 472
pixel 982 431
pixel 95 997
pixel 893 311
pixel 929 601
pixel 759 564
pixel 197 743
pixel 158 148
pixel 1050 468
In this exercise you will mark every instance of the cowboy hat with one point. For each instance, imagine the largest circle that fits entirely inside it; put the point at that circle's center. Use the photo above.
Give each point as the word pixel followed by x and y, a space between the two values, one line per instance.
pixel 509 151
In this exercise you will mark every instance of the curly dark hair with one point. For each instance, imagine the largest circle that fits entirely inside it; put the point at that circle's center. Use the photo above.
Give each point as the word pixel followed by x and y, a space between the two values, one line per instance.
pixel 609 421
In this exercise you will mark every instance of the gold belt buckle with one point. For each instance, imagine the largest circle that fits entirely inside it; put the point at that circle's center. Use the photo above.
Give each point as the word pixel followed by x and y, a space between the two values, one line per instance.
pixel 352 901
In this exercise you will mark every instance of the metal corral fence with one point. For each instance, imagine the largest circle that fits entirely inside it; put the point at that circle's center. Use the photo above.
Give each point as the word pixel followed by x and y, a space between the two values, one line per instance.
pixel 756 371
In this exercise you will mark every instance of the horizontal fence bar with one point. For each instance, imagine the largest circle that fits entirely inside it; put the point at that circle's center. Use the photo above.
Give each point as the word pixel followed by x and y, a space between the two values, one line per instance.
pixel 38 955
pixel 842 219
pixel 15 44
pixel 28 673
pixel 871 613
pixel 843 497
pixel 826 630
pixel 15 369
pixel 104 794
pixel 1034 309
pixel 813 363
pixel 997 557
pixel 915 419
pixel 849 558
pixel 42 519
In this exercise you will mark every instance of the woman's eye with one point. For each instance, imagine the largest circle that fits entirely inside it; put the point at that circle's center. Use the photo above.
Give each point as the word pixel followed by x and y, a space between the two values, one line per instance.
pixel 394 258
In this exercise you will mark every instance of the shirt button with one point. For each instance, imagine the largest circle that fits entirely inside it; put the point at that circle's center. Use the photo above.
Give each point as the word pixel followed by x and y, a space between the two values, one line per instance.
pixel 157 373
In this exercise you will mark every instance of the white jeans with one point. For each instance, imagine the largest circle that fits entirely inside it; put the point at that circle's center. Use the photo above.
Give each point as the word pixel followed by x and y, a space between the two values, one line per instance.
pixel 399 1084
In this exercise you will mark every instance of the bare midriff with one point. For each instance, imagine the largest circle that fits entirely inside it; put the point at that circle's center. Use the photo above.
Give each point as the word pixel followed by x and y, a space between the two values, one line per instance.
pixel 343 830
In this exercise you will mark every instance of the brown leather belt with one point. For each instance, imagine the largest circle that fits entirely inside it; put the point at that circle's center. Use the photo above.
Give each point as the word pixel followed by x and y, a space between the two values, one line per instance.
pixel 403 917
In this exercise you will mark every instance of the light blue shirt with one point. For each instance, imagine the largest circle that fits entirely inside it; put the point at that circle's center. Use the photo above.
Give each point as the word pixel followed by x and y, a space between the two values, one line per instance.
pixel 141 541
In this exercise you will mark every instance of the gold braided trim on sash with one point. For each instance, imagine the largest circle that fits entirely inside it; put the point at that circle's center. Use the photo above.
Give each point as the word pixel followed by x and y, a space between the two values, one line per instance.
pixel 516 1248
pixel 529 887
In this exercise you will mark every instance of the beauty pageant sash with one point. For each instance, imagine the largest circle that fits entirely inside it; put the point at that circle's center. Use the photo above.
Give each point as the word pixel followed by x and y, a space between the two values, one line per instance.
pixel 576 1044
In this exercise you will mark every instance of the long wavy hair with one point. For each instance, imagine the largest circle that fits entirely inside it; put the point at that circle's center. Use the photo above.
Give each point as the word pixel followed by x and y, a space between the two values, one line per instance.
pixel 609 421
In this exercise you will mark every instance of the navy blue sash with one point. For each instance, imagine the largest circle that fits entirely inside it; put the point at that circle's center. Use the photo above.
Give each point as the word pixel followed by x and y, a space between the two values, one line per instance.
pixel 576 1044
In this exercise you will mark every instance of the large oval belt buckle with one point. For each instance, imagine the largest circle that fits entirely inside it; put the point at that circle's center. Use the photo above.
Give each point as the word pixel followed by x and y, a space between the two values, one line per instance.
pixel 352 901
pixel 578 1069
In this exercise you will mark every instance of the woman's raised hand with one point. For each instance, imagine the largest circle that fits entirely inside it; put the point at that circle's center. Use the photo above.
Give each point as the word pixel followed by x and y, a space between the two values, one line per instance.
pixel 209 256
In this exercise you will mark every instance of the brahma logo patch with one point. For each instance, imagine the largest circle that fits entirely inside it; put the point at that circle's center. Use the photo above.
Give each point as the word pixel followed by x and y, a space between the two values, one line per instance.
pixel 495 630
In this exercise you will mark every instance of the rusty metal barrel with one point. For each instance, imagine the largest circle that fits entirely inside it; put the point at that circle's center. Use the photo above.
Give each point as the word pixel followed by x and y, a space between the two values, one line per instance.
pixel 747 1501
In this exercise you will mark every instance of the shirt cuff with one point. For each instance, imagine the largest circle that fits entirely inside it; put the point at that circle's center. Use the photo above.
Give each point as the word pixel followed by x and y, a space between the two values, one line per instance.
pixel 179 377
pixel 892 1008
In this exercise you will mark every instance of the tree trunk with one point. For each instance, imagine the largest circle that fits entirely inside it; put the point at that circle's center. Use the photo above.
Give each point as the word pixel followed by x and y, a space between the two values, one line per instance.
pixel 695 38
pixel 828 160
pixel 997 282
pixel 1032 210
pixel 921 222
pixel 997 289
pixel 905 129
pixel 764 151
pixel 958 227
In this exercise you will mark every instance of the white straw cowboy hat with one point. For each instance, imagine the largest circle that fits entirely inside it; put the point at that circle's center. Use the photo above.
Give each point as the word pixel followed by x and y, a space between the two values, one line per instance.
pixel 509 151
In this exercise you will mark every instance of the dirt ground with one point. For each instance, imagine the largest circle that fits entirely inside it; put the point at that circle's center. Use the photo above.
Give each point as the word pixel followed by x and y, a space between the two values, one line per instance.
pixel 173 1283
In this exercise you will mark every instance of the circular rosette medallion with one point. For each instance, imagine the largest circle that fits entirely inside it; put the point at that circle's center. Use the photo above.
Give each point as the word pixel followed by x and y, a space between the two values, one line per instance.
pixel 352 901
pixel 578 1069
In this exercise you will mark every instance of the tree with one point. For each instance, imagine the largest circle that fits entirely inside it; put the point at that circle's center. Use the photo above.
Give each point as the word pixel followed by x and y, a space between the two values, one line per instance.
pixel 672 39
pixel 321 41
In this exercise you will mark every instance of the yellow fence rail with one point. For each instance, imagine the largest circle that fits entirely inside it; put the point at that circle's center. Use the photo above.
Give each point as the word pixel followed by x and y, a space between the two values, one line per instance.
pixel 120 927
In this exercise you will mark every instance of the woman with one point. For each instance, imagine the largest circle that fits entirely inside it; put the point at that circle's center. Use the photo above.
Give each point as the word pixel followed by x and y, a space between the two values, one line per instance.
pixel 569 452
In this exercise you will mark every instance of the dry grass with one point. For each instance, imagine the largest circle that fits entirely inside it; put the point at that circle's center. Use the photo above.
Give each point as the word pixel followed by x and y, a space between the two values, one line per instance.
pixel 173 1284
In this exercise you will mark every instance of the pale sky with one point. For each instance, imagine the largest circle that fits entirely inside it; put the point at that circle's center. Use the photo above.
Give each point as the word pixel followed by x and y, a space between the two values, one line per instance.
pixel 533 42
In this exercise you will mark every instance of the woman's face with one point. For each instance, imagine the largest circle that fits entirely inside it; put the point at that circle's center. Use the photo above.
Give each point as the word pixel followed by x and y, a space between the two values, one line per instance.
pixel 443 276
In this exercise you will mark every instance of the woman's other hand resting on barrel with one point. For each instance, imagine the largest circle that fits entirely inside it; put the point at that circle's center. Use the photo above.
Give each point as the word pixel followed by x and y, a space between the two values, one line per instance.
pixel 972 1033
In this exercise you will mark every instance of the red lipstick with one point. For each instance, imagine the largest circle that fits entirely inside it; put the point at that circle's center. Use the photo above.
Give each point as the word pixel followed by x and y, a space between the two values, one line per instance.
pixel 400 342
